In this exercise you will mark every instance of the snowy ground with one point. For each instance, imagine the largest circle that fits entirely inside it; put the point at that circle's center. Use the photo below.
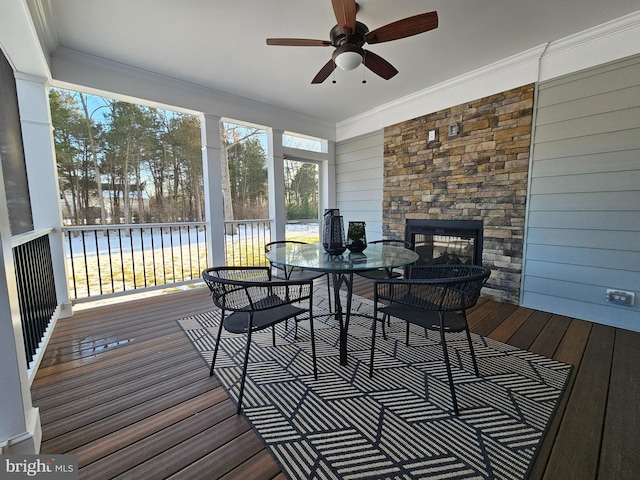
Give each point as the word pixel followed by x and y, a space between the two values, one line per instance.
pixel 125 260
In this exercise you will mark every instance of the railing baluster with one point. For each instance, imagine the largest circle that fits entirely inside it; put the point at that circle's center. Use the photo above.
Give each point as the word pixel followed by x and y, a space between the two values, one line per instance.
pixel 73 267
pixel 124 285
pixel 95 235
pixel 86 265
pixel 133 261
pixel 144 260
pixel 108 233
pixel 153 254
pixel 173 263
pixel 181 256
pixel 37 297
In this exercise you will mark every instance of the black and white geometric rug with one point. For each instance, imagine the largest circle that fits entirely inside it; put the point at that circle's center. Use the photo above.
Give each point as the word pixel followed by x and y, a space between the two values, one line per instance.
pixel 400 424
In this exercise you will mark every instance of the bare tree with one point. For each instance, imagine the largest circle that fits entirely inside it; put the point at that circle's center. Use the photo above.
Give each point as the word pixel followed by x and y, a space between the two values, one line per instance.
pixel 94 154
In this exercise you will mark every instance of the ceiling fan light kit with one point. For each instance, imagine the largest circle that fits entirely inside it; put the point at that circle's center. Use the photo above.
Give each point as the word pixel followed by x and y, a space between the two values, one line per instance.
pixel 348 56
pixel 349 36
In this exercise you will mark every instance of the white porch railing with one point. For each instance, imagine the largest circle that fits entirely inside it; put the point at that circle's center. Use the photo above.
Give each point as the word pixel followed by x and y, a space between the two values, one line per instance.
pixel 36 292
pixel 117 259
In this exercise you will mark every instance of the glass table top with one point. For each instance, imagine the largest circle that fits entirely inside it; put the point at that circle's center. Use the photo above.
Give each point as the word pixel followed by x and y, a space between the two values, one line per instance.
pixel 312 256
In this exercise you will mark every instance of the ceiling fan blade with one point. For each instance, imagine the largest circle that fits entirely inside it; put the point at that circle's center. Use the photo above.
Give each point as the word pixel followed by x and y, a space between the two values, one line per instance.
pixel 298 42
pixel 403 28
pixel 379 65
pixel 324 72
pixel 345 12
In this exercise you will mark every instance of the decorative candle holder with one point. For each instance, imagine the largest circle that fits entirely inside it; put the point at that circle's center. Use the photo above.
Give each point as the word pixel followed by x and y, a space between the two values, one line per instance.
pixel 356 237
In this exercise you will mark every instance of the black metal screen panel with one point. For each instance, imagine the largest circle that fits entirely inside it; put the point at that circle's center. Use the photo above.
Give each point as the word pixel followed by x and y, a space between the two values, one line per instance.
pixel 36 290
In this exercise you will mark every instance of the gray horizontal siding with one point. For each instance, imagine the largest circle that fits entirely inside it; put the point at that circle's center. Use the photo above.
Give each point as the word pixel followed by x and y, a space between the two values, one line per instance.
pixel 583 222
pixel 359 171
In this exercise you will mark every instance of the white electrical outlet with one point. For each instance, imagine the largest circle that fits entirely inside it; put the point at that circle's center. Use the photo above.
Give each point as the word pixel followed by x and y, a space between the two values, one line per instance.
pixel 620 297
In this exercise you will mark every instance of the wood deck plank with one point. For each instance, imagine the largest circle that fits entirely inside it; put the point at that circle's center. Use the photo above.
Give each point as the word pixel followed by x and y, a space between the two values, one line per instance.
pixel 191 450
pixel 137 457
pixel 510 325
pixel 621 436
pixel 577 448
pixel 128 422
pixel 120 439
pixel 489 323
pixel 124 393
pixel 66 436
pixel 76 388
pixel 527 333
pixel 550 336
pixel 261 466
pixel 225 458
pixel 571 348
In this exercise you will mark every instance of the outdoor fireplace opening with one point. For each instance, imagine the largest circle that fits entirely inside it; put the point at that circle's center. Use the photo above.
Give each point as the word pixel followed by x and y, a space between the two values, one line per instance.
pixel 440 242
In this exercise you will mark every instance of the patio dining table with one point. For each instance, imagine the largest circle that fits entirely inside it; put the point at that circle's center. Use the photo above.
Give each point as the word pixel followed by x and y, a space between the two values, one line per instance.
pixel 342 267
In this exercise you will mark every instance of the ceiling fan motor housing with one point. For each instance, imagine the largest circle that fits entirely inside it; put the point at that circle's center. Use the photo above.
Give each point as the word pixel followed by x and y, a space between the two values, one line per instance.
pixel 338 37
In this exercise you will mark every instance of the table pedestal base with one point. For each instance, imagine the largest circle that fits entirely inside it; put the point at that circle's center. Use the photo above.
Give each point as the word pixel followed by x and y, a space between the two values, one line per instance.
pixel 343 317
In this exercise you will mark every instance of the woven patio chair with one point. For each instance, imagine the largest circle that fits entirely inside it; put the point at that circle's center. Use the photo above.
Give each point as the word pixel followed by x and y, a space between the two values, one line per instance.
pixel 435 298
pixel 295 273
pixel 383 273
pixel 249 301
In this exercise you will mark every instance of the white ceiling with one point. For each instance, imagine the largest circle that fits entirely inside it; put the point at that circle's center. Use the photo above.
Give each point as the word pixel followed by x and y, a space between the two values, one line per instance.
pixel 221 43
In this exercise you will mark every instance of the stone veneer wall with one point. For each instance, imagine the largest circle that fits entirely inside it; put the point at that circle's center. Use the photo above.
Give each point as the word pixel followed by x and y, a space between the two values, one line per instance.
pixel 480 174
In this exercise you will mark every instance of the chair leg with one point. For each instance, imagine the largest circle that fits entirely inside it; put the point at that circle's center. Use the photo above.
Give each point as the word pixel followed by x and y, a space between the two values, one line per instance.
pixel 215 349
pixel 373 341
pixel 384 331
pixel 313 346
pixel 406 340
pixel 329 292
pixel 295 328
pixel 244 368
pixel 273 335
pixel 473 354
pixel 448 365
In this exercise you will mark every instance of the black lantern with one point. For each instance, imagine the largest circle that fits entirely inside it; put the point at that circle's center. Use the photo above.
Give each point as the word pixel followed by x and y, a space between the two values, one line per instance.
pixel 333 232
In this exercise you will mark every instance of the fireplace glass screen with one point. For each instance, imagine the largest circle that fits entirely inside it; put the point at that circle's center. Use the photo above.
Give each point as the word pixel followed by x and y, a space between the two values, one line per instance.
pixel 442 242
pixel 444 249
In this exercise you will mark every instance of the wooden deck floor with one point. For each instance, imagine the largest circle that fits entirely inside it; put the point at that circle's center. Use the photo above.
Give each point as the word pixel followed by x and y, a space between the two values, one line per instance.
pixel 122 388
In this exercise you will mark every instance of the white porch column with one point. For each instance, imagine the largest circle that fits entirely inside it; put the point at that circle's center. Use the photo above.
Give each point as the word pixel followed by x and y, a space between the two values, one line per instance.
pixel 327 181
pixel 20 430
pixel 275 169
pixel 212 173
pixel 42 174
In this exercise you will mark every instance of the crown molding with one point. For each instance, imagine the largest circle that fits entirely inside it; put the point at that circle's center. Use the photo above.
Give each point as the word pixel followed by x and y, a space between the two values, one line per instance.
pixel 610 41
pixel 601 44
pixel 42 15
pixel 522 68
pixel 19 40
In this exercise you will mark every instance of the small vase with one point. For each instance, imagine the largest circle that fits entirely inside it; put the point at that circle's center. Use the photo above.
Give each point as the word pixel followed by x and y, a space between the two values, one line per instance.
pixel 356 237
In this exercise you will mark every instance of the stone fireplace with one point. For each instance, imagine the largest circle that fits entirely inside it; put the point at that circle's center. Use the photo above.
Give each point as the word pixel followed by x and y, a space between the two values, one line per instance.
pixel 478 174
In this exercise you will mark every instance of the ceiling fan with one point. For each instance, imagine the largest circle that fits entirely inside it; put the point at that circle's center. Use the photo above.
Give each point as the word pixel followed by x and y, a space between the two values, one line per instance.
pixel 349 36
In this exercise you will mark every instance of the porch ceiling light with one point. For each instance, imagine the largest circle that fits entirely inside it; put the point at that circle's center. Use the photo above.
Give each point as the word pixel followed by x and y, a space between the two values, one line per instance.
pixel 348 56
